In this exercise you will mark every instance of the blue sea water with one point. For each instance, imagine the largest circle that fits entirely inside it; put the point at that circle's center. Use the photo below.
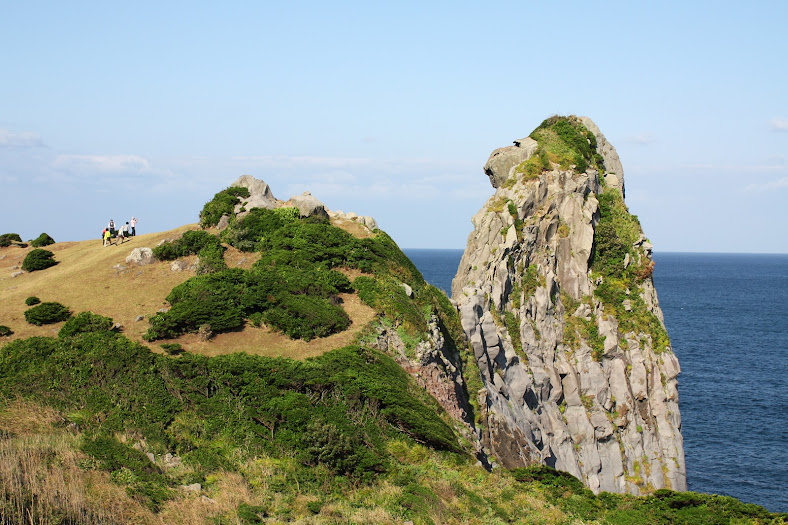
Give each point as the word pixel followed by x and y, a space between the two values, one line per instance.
pixel 727 316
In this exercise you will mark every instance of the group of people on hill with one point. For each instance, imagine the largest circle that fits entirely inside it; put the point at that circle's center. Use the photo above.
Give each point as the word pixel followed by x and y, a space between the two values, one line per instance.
pixel 120 234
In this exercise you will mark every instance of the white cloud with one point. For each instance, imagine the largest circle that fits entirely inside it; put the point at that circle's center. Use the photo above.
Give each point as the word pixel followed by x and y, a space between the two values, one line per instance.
pixel 280 161
pixel 26 139
pixel 102 163
pixel 779 124
pixel 767 186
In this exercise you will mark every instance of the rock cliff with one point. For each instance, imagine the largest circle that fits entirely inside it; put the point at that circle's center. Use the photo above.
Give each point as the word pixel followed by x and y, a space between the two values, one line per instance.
pixel 556 297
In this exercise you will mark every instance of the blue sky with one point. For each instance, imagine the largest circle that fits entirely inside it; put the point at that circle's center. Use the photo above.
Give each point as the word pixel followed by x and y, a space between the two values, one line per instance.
pixel 389 109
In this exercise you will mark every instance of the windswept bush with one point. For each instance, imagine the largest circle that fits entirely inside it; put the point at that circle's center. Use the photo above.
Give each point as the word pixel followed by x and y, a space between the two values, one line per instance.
pixel 42 240
pixel 47 313
pixel 211 259
pixel 5 331
pixel 223 203
pixel 190 243
pixel 32 301
pixel 7 239
pixel 306 317
pixel 38 259
pixel 244 233
pixel 85 322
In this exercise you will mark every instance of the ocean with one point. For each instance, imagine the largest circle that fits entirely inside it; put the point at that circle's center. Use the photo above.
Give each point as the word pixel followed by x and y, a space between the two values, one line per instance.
pixel 727 316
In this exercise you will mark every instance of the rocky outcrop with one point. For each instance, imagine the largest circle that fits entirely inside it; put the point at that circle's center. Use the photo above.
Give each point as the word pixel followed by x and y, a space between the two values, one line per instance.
pixel 260 196
pixel 436 366
pixel 567 331
pixel 308 205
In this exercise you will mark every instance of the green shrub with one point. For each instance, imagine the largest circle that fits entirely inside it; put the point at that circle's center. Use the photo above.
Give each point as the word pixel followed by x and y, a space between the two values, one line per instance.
pixel 211 259
pixel 130 467
pixel 7 239
pixel 32 301
pixel 172 348
pixel 85 322
pixel 223 203
pixel 251 514
pixel 259 222
pixel 38 259
pixel 5 331
pixel 190 243
pixel 42 240
pixel 306 317
pixel 47 313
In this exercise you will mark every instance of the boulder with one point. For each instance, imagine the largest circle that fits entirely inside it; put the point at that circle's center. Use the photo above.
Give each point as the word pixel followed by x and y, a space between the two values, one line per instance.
pixel 260 195
pixel 308 205
pixel 502 161
pixel 140 256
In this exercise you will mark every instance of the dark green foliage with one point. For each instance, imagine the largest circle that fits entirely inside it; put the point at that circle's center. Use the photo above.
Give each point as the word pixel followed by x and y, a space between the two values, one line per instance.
pixel 306 317
pixel 38 259
pixel 5 331
pixel 663 507
pixel 42 240
pixel 130 467
pixel 7 239
pixel 292 287
pixel 223 203
pixel 259 222
pixel 251 514
pixel 172 348
pixel 191 243
pixel 32 301
pixel 336 410
pixel 566 141
pixel 47 313
pixel 85 322
pixel 211 259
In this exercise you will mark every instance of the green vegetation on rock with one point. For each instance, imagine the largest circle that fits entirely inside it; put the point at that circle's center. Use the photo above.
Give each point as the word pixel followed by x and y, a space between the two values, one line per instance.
pixel 38 259
pixel 566 141
pixel 616 236
pixel 223 203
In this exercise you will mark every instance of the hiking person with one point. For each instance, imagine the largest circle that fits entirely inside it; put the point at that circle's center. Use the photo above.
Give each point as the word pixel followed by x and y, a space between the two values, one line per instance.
pixel 111 227
pixel 123 234
pixel 107 237
pixel 133 226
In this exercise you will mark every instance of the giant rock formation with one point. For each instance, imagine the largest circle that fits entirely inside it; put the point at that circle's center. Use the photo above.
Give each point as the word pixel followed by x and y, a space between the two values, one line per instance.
pixel 572 378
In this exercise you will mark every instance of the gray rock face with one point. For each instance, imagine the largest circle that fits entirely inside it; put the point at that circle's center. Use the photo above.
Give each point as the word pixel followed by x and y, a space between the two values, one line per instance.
pixel 606 411
pixel 260 195
pixel 502 161
pixel 140 256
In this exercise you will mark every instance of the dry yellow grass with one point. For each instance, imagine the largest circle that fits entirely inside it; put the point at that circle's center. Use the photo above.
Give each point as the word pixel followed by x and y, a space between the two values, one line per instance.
pixel 89 278
pixel 41 480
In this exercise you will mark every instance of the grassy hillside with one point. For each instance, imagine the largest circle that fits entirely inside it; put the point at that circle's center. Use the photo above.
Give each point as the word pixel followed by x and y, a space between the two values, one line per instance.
pixel 86 279
pixel 281 408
